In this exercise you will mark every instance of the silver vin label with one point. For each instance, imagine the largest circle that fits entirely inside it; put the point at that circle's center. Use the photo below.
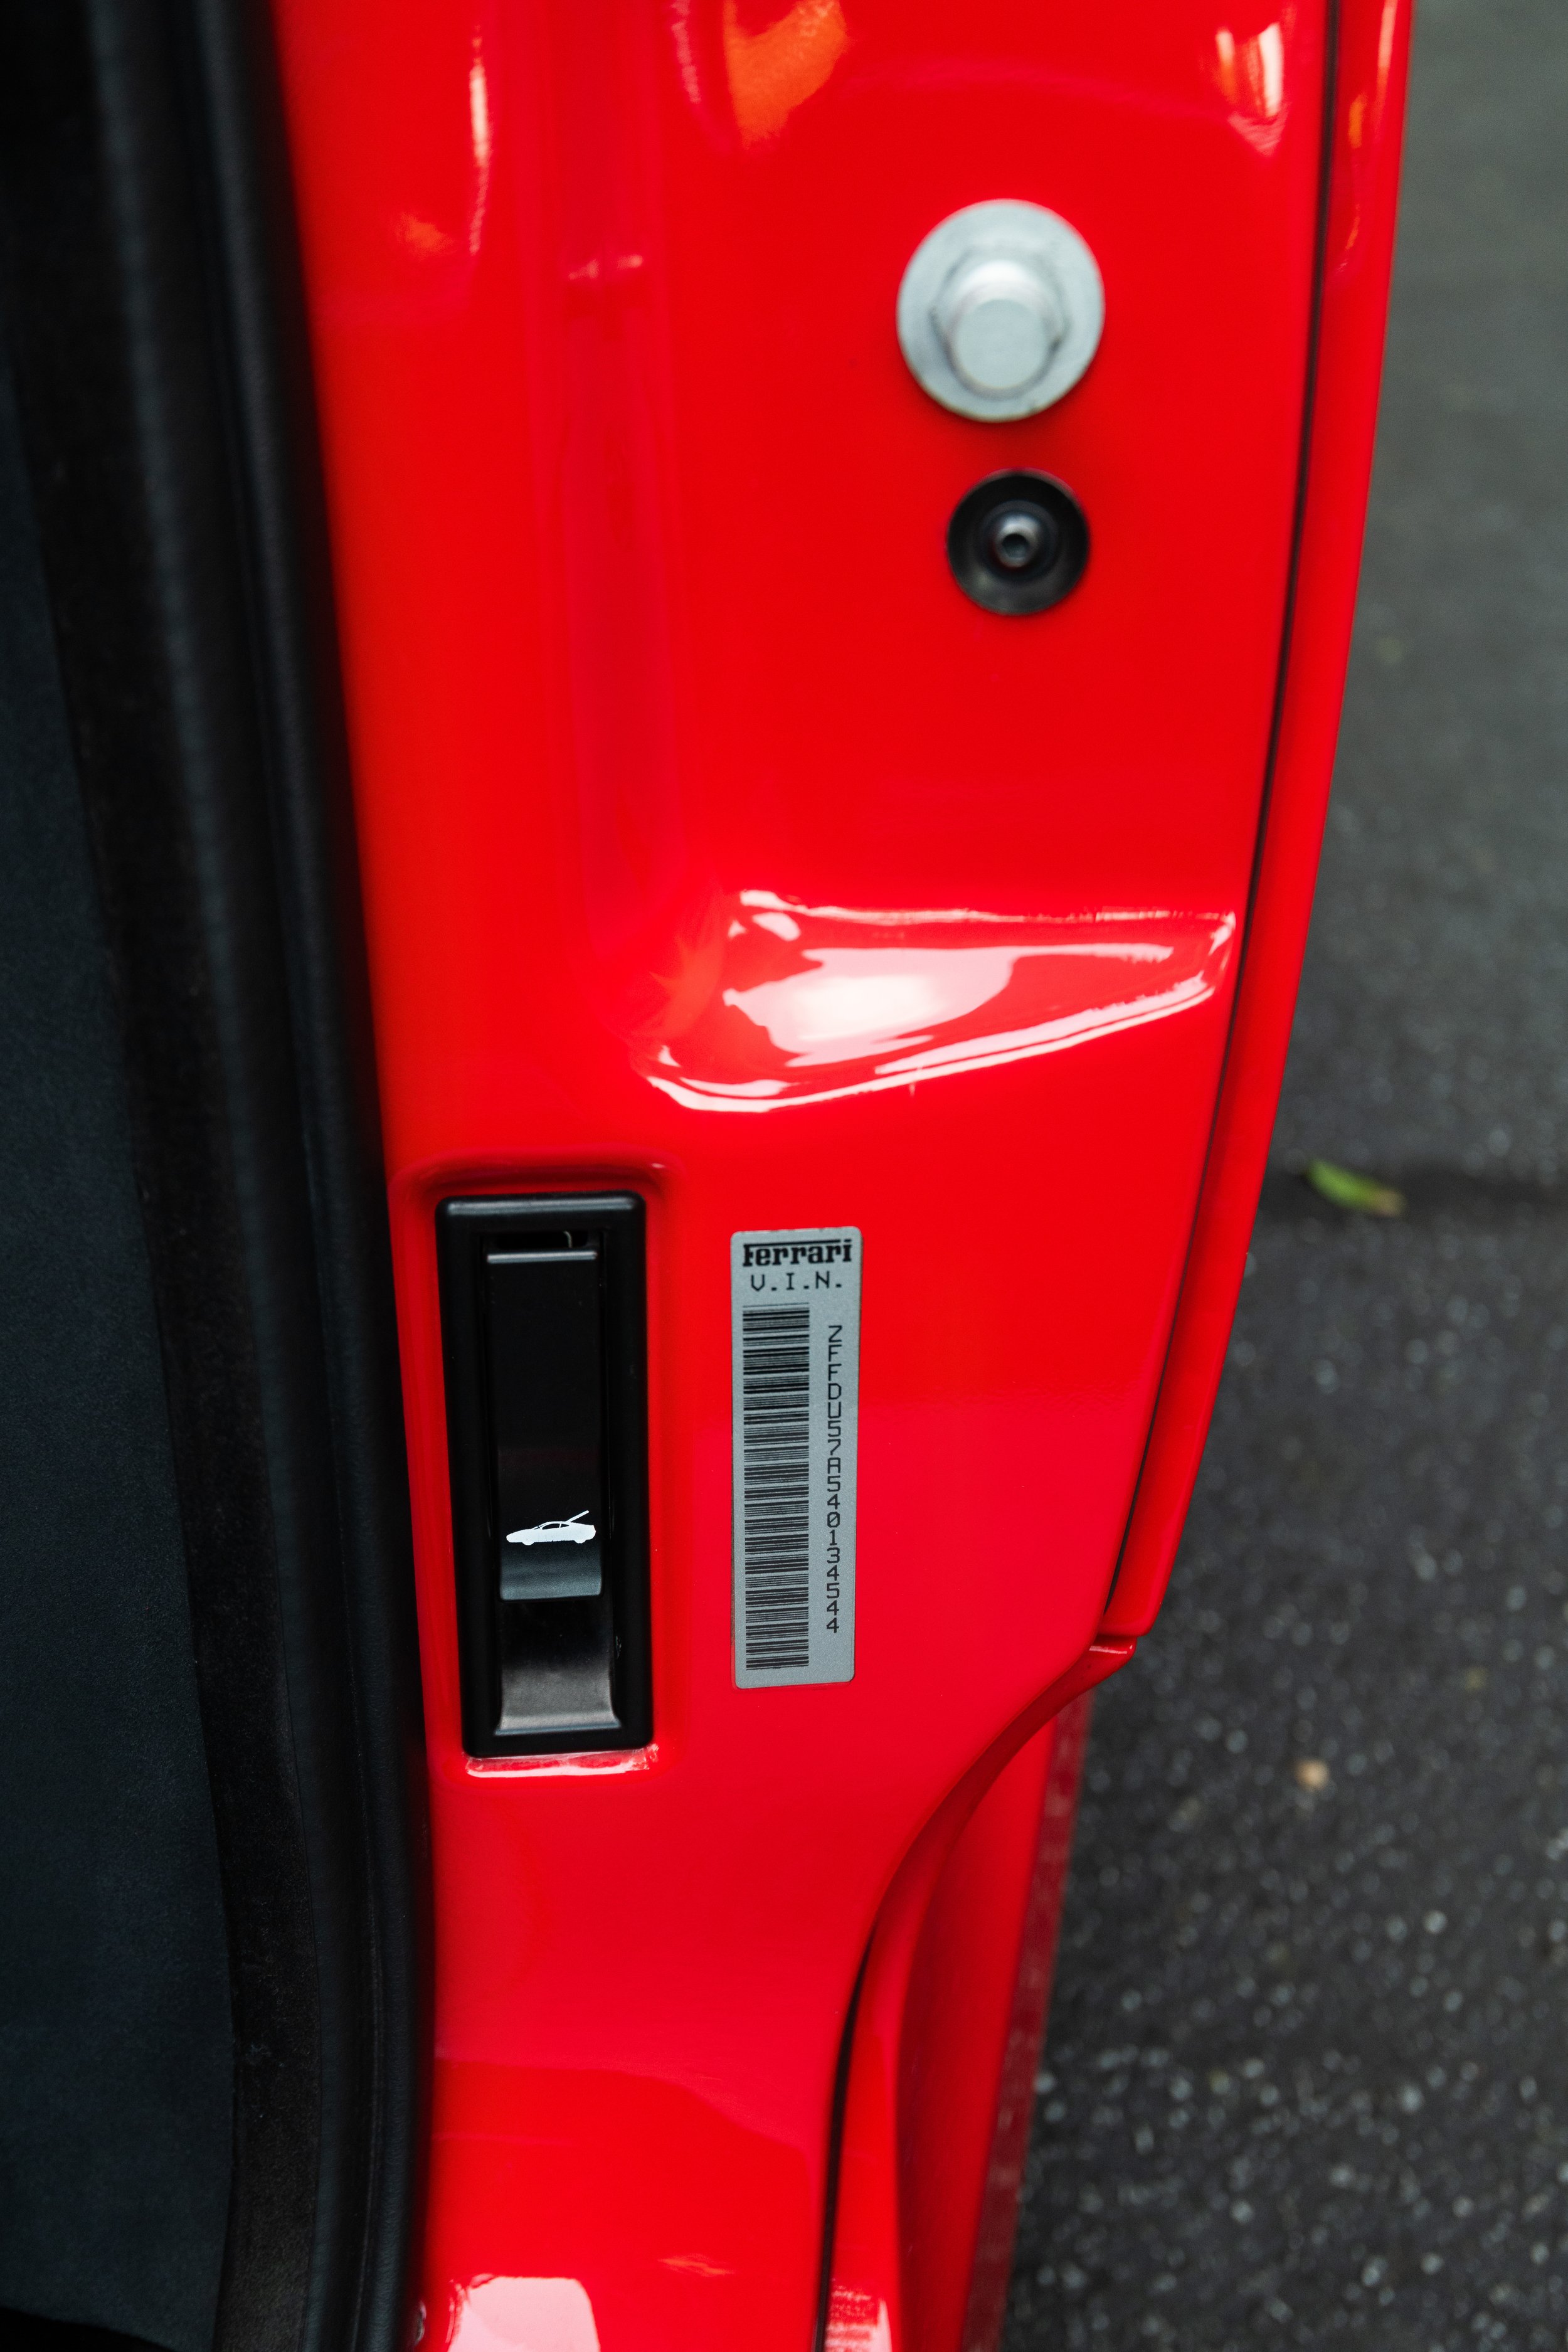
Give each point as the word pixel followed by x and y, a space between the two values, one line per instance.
pixel 795 1336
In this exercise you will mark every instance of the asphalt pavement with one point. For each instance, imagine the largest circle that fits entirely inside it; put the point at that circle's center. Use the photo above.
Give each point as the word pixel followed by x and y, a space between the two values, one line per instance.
pixel 1306 2077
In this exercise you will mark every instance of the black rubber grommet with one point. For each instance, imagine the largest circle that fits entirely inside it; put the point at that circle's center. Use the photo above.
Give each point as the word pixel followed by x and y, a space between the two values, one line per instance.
pixel 1018 542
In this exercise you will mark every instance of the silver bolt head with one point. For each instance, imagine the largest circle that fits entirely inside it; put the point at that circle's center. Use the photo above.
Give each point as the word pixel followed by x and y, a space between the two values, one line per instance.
pixel 1001 310
pixel 1000 322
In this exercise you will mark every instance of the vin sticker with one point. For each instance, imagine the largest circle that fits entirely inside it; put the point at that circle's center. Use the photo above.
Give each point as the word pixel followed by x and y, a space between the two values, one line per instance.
pixel 795 1304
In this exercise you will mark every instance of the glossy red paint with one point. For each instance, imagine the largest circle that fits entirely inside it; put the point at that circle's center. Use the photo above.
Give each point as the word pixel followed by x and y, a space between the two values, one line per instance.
pixel 991 2264
pixel 906 2226
pixel 713 844
pixel 1367 123
pixel 953 2035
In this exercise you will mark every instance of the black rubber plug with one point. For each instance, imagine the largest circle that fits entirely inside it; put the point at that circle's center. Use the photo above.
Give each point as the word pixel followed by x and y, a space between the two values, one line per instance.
pixel 1018 542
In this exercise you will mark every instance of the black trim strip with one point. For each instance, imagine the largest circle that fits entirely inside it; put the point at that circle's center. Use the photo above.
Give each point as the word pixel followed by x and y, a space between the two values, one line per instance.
pixel 836 2115
pixel 21 2332
pixel 154 317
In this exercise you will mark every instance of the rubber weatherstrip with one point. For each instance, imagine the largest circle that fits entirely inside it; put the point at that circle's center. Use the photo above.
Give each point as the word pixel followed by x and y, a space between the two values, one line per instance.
pixel 154 316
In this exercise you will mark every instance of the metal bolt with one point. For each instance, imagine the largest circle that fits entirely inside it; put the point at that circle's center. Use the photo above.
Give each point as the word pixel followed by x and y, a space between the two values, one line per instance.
pixel 1000 310
pixel 1001 323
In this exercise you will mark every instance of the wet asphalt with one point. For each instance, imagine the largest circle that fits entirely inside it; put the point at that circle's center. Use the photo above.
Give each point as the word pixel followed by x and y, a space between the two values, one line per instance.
pixel 1306 2077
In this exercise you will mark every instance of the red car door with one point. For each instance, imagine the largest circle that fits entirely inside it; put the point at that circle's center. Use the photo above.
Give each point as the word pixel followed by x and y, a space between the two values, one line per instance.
pixel 838 532
pixel 727 856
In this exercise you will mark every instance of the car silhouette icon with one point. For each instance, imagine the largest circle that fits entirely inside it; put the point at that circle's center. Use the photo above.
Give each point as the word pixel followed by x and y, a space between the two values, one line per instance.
pixel 577 1530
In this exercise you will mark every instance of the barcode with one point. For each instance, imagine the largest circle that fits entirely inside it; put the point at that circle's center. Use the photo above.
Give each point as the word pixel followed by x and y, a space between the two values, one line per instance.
pixel 794 1337
pixel 775 1499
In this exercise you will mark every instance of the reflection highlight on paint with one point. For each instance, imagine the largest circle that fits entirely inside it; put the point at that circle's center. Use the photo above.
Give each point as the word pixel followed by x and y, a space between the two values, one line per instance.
pixel 524 2315
pixel 776 68
pixel 1251 71
pixel 858 2322
pixel 779 1003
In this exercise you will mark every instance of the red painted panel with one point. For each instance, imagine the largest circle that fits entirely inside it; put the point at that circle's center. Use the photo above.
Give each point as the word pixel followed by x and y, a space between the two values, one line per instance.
pixel 1365 126
pixel 713 844
pixel 954 2032
pixel 990 2272
pixel 870 2275
pixel 970 2038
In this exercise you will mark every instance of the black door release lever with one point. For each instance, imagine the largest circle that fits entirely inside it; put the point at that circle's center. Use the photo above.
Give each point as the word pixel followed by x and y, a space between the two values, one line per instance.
pixel 544 1320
